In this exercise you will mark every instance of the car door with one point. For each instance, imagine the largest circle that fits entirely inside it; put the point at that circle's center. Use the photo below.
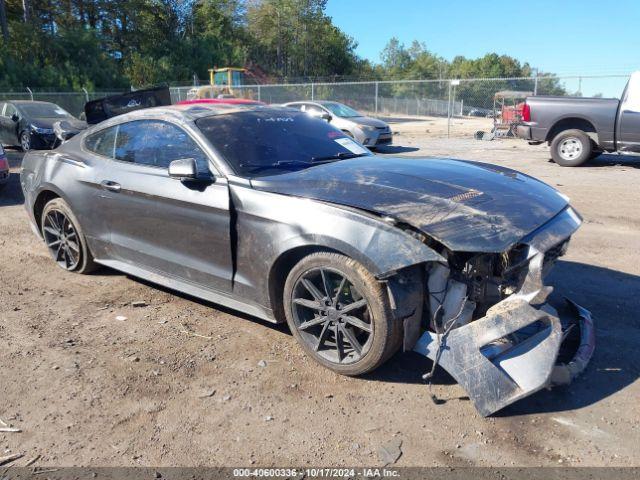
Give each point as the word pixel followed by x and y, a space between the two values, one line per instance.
pixel 177 228
pixel 4 125
pixel 628 125
pixel 9 127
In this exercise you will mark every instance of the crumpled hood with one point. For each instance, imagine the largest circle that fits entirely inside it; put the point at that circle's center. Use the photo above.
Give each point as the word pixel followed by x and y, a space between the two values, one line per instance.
pixel 467 206
pixel 368 121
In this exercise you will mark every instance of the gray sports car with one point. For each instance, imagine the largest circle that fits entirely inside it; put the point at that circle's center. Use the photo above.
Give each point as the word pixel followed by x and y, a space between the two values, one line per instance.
pixel 282 216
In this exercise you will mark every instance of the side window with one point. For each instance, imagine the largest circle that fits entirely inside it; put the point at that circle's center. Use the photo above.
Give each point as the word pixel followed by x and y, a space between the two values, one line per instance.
pixel 10 110
pixel 314 111
pixel 156 144
pixel 102 142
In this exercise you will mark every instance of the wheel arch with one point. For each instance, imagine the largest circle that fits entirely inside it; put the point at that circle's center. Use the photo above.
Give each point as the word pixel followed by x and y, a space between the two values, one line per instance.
pixel 374 261
pixel 573 122
pixel 43 197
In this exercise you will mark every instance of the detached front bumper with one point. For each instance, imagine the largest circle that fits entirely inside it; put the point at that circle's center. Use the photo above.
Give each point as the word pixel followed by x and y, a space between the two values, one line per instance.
pixel 497 371
pixel 520 346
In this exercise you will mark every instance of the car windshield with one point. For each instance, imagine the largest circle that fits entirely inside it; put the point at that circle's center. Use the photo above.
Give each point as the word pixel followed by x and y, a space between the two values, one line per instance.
pixel 267 142
pixel 341 110
pixel 43 110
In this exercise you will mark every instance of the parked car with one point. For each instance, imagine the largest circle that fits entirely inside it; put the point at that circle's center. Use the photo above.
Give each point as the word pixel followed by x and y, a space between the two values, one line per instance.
pixel 370 132
pixel 578 129
pixel 479 112
pixel 29 125
pixel 280 215
pixel 4 168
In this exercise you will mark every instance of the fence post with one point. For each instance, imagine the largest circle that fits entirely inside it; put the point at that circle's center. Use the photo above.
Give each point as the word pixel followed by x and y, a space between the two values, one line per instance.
pixel 449 112
pixel 259 94
pixel 377 97
pixel 462 107
pixel 312 91
pixel 535 83
pixel 86 94
pixel 30 93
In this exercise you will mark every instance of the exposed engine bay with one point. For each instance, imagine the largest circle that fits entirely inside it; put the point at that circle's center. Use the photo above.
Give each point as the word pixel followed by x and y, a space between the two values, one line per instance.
pixel 489 324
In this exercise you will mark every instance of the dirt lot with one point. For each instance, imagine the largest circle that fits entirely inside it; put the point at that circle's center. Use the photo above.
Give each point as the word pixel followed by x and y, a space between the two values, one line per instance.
pixel 180 382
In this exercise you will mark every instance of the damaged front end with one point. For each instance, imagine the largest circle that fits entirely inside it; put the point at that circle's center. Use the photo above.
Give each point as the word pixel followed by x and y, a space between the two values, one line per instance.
pixel 491 327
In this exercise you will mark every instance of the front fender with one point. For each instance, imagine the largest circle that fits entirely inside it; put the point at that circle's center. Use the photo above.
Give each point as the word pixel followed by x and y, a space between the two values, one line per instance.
pixel 270 225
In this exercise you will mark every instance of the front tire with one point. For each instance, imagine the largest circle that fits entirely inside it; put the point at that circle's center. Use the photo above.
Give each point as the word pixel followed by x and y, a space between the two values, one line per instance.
pixel 340 314
pixel 571 148
pixel 64 239
pixel 25 141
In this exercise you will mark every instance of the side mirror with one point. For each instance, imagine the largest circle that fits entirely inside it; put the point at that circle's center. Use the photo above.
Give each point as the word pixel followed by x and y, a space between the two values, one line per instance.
pixel 182 169
pixel 15 117
pixel 326 116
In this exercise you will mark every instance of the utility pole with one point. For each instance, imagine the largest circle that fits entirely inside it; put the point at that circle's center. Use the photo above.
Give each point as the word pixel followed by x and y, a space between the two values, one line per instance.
pixel 3 21
pixel 580 85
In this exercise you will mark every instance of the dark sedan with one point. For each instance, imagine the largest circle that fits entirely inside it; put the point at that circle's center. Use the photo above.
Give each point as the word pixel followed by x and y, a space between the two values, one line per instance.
pixel 282 216
pixel 29 125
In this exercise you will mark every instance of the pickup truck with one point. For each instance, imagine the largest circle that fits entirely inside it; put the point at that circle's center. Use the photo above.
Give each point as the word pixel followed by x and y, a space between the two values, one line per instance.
pixel 578 129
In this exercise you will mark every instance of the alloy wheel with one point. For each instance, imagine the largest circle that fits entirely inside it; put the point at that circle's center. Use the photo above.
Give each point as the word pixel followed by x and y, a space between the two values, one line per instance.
pixel 25 141
pixel 61 239
pixel 332 317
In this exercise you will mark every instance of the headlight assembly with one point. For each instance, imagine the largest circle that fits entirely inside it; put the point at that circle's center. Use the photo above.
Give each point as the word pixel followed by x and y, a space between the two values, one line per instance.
pixel 42 131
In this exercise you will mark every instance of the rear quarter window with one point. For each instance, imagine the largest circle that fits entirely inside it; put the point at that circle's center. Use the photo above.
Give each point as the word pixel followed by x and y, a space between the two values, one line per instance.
pixel 102 143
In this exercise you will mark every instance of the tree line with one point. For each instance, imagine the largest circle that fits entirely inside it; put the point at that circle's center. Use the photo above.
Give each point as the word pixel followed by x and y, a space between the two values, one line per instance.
pixel 109 44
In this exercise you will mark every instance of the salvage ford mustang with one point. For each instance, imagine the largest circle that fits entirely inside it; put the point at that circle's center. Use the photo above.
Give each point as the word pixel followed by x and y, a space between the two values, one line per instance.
pixel 279 215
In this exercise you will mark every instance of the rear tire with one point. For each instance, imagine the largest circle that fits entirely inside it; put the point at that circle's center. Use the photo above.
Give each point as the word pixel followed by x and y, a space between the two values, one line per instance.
pixel 340 314
pixel 64 239
pixel 571 148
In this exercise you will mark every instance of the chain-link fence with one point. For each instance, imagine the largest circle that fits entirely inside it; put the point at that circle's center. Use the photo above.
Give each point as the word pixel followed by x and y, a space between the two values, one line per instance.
pixel 72 102
pixel 453 107
pixel 465 105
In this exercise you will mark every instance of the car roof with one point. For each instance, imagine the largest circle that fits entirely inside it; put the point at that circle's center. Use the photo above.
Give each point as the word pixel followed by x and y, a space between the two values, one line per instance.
pixel 28 102
pixel 317 102
pixel 187 112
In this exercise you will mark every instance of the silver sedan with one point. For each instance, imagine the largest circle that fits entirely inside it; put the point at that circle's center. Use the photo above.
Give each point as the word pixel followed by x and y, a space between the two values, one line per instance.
pixel 370 132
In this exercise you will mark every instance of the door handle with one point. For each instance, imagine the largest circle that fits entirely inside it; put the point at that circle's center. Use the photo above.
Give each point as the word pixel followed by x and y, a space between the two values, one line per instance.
pixel 111 186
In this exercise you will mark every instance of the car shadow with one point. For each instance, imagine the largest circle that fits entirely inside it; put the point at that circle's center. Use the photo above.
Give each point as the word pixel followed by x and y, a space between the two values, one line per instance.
pixel 11 192
pixel 395 149
pixel 281 327
pixel 611 296
pixel 610 160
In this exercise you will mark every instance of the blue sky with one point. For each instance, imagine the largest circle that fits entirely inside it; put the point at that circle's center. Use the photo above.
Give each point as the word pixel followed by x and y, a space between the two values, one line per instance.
pixel 568 37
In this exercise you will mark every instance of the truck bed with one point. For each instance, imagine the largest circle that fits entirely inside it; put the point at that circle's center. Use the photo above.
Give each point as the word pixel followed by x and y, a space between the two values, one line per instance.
pixel 548 111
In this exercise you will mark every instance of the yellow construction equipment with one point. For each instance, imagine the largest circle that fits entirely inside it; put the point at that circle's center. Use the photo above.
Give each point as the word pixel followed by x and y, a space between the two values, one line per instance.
pixel 221 83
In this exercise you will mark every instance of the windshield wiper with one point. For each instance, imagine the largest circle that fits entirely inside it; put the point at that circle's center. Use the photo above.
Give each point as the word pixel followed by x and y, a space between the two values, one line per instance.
pixel 339 156
pixel 300 163
pixel 282 163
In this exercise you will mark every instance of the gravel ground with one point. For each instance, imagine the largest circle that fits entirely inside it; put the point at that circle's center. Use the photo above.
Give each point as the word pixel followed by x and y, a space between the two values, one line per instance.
pixel 183 382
